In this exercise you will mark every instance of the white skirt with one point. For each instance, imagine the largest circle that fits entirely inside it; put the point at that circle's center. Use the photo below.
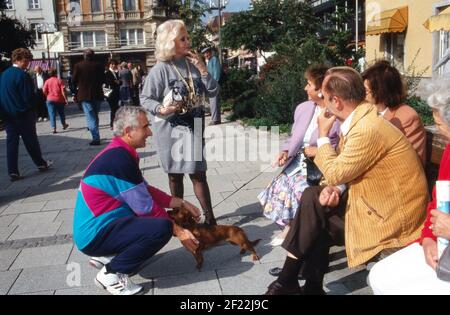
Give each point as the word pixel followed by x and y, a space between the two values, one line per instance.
pixel 406 272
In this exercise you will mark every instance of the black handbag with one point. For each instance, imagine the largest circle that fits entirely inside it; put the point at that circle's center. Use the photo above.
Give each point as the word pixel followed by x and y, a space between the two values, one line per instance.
pixel 313 174
pixel 443 267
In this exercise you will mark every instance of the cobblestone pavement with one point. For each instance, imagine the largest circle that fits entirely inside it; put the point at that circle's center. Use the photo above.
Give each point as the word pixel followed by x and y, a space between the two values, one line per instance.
pixel 37 255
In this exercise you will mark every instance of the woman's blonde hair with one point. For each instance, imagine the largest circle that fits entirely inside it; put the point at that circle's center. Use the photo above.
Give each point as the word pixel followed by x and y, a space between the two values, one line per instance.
pixel 166 34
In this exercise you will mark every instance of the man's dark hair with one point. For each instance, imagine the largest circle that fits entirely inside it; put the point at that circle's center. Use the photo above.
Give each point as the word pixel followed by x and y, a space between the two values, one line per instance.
pixel 113 62
pixel 385 83
pixel 88 54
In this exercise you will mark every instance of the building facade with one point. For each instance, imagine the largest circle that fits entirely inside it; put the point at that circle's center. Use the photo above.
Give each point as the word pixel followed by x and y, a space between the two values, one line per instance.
pixel 40 17
pixel 324 8
pixel 120 29
pixel 396 31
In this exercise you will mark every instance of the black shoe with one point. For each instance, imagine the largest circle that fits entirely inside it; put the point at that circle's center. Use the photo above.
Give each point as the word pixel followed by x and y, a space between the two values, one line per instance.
pixel 312 289
pixel 15 177
pixel 46 166
pixel 277 270
pixel 94 142
pixel 276 288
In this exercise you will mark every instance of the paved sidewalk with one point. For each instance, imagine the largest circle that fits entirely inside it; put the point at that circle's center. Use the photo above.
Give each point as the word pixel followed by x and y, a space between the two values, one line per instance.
pixel 37 255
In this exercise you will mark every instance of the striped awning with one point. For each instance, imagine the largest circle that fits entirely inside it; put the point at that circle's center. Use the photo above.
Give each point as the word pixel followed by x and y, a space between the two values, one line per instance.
pixel 44 64
pixel 439 22
pixel 390 21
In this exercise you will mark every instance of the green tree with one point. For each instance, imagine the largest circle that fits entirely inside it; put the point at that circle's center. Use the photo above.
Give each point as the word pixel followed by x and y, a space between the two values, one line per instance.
pixel 13 33
pixel 269 23
pixel 340 36
pixel 191 12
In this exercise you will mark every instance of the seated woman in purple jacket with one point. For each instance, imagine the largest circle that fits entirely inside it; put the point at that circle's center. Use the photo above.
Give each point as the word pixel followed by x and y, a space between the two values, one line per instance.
pixel 281 198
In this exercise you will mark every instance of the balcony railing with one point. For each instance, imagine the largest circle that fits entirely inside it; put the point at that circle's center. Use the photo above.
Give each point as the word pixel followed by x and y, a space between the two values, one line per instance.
pixel 130 15
pixel 111 44
pixel 102 16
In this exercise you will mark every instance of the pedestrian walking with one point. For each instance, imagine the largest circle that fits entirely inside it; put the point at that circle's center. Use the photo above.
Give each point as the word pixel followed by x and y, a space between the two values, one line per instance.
pixel 113 83
pixel 89 77
pixel 39 78
pixel 126 79
pixel 16 106
pixel 56 99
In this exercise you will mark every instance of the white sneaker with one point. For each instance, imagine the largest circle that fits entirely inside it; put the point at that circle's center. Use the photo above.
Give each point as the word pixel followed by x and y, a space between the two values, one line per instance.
pixel 277 241
pixel 117 283
pixel 45 119
pixel 100 262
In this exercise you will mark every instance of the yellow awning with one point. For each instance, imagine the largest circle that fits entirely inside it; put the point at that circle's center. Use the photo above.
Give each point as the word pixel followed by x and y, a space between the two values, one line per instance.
pixel 439 22
pixel 390 21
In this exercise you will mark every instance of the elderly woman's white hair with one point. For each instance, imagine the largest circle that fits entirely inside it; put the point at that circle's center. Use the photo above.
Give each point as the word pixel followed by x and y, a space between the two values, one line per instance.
pixel 166 34
pixel 438 95
pixel 126 116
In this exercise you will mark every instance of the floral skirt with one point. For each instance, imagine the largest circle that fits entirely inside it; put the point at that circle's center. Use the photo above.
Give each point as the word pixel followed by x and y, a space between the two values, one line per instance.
pixel 281 198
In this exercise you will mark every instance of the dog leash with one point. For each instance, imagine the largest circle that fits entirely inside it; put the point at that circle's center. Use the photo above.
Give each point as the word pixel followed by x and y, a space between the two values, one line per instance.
pixel 245 184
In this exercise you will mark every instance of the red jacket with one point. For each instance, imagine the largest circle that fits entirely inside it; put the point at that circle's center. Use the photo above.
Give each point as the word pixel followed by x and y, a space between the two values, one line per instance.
pixel 444 174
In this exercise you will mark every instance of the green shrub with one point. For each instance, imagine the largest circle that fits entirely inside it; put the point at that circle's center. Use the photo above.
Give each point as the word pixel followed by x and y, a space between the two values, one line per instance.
pixel 226 106
pixel 237 82
pixel 265 122
pixel 422 109
pixel 282 81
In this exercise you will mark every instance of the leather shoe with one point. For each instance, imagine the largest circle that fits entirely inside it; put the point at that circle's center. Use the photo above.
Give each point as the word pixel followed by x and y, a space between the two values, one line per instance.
pixel 94 142
pixel 277 270
pixel 276 288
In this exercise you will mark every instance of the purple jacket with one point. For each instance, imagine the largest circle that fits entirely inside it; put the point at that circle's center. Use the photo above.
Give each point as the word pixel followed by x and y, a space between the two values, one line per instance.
pixel 302 117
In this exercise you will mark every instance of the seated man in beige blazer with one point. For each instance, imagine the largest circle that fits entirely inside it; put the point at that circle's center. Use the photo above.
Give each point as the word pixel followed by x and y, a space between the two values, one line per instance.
pixel 386 189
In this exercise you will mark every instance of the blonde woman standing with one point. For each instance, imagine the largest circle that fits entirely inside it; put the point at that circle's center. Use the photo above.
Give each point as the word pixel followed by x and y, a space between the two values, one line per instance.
pixel 174 94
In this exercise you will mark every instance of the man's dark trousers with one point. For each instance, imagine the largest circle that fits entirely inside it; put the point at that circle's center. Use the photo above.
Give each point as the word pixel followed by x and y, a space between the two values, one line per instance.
pixel 314 229
pixel 23 126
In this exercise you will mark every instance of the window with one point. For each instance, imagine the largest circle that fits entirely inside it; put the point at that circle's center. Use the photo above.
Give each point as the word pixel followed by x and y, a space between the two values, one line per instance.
pixel 9 4
pixel 87 39
pixel 444 46
pixel 75 40
pixel 36 29
pixel 34 4
pixel 394 48
pixel 131 37
pixel 96 6
pixel 129 5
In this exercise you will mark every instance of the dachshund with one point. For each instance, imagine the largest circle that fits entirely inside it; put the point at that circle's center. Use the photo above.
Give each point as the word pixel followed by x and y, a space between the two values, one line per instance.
pixel 211 235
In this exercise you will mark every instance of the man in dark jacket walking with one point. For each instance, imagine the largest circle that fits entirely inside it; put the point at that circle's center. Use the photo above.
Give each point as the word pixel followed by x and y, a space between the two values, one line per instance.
pixel 89 77
pixel 113 83
pixel 16 106
pixel 39 78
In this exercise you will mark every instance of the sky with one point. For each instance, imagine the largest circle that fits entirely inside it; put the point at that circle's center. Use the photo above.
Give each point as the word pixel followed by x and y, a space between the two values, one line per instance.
pixel 232 6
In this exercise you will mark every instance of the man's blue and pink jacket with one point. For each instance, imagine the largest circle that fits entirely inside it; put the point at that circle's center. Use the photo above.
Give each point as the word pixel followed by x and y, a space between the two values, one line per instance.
pixel 112 188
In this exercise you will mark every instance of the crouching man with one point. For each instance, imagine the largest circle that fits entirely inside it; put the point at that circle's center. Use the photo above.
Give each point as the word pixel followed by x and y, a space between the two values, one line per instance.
pixel 118 214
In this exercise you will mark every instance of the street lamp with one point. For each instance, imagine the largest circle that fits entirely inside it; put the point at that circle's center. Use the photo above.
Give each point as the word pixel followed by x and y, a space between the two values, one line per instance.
pixel 219 5
pixel 47 28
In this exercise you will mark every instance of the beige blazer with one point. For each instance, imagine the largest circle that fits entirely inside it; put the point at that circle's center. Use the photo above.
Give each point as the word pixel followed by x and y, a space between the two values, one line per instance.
pixel 387 187
pixel 405 118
